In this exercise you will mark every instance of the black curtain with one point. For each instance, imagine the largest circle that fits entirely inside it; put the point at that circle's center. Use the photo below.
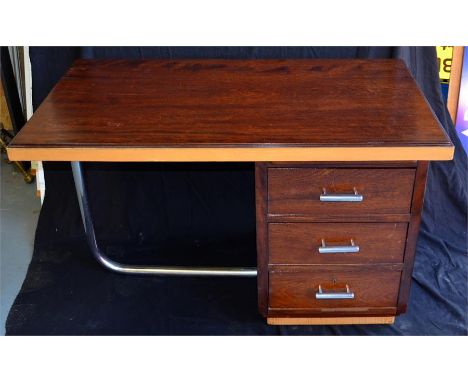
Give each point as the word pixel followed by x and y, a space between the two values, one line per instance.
pixel 205 214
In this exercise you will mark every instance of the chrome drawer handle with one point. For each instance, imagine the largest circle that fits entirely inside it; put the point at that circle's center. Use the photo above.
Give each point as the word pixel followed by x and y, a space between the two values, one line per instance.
pixel 321 295
pixel 356 197
pixel 353 248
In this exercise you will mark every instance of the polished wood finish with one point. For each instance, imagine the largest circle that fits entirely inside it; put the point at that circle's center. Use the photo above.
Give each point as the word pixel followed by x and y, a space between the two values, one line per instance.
pixel 288 268
pixel 296 191
pixel 413 232
pixel 294 266
pixel 209 110
pixel 272 218
pixel 308 125
pixel 347 164
pixel 296 289
pixel 333 313
pixel 262 237
pixel 369 320
pixel 298 243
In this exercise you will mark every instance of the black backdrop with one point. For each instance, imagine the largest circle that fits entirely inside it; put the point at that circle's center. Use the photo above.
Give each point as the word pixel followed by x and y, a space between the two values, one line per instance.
pixel 177 214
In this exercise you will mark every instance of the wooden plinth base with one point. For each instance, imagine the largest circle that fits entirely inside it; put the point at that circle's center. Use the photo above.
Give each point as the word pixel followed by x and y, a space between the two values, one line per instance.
pixel 330 320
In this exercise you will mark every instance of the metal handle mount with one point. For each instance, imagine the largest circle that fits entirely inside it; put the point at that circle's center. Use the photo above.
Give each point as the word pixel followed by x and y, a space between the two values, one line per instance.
pixel 353 248
pixel 321 295
pixel 356 197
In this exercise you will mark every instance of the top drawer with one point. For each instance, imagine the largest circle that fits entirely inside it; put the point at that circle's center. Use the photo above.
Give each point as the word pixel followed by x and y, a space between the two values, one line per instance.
pixel 297 191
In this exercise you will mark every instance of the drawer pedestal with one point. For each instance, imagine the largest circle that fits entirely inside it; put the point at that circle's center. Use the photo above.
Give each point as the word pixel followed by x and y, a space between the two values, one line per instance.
pixel 336 241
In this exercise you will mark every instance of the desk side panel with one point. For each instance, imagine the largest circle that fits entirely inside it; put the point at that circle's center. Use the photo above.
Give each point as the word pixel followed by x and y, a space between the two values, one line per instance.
pixel 261 194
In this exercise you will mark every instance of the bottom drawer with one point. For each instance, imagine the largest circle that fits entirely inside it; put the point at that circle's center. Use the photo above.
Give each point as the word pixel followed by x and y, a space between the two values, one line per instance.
pixel 332 290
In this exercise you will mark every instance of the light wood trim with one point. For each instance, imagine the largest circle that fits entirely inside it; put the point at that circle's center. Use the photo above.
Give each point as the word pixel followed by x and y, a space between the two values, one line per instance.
pixel 231 154
pixel 330 320
pixel 454 83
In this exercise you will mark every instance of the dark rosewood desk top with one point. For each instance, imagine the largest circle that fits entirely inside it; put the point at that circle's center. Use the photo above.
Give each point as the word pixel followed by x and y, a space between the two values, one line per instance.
pixel 234 110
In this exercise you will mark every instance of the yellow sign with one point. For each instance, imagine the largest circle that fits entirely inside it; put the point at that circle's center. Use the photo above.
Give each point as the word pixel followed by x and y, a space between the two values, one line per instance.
pixel 444 56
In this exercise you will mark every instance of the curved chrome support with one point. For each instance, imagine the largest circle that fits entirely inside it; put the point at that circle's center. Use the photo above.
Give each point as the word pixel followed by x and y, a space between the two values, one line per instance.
pixel 141 269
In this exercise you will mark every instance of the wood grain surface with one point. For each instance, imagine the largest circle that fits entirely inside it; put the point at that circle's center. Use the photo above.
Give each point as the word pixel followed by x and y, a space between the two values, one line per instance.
pixel 413 233
pixel 298 243
pixel 250 104
pixel 261 205
pixel 296 191
pixel 297 289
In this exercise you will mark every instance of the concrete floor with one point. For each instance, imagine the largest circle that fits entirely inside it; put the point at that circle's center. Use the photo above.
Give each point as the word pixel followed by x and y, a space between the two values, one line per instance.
pixel 19 211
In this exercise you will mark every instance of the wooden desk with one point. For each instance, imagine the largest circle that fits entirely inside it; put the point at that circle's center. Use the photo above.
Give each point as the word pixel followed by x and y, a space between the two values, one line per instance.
pixel 341 150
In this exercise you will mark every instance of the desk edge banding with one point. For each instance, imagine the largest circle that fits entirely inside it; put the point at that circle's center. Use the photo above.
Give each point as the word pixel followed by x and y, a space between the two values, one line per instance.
pixel 370 320
pixel 230 154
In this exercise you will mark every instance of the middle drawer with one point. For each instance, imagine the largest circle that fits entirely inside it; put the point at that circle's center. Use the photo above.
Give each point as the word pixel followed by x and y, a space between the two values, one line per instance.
pixel 336 243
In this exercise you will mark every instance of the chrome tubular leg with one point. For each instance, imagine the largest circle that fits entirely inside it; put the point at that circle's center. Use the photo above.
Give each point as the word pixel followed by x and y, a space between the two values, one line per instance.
pixel 141 269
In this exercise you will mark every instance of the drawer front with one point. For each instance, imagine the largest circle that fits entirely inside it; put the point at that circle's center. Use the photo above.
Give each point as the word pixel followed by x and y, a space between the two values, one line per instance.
pixel 298 289
pixel 345 243
pixel 297 191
